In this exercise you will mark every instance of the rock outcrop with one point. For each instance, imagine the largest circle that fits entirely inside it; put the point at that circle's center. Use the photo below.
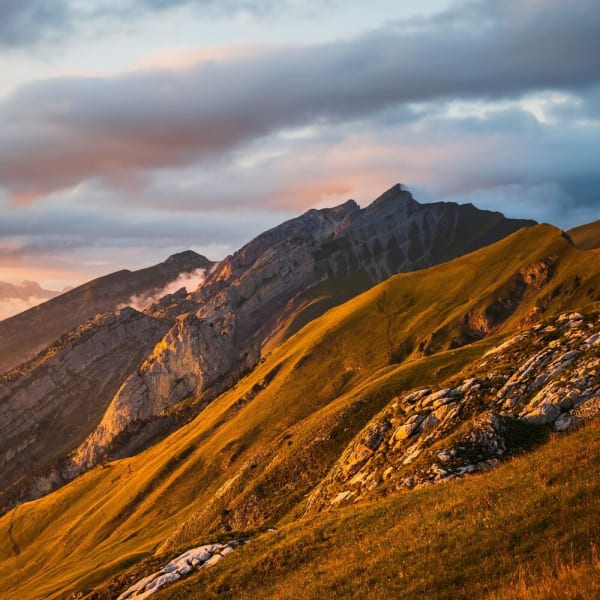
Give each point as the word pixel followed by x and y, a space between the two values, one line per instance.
pixel 202 557
pixel 51 403
pixel 544 379
pixel 29 332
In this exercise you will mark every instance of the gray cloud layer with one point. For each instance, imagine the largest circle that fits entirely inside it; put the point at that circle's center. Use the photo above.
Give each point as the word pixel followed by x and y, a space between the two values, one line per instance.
pixel 60 132
pixel 28 22
pixel 24 22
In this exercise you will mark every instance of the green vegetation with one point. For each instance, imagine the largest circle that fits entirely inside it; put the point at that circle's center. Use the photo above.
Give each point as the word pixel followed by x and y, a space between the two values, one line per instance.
pixel 250 458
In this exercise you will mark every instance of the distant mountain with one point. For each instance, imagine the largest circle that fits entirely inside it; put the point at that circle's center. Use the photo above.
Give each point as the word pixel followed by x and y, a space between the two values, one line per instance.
pixel 29 332
pixel 586 237
pixel 207 339
pixel 15 298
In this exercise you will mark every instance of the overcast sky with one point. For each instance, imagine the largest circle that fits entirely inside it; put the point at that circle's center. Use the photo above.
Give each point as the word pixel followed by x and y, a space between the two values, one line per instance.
pixel 133 129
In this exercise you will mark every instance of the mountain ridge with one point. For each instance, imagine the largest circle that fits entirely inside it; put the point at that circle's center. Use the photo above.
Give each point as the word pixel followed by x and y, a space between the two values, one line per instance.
pixel 252 455
pixel 244 301
pixel 25 334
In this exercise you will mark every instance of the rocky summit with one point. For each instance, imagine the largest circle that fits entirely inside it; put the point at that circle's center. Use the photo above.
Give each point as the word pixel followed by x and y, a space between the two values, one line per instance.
pixel 348 379
pixel 211 336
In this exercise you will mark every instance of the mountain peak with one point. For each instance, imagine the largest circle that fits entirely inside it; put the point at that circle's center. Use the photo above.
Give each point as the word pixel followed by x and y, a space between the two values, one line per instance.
pixel 184 257
pixel 397 193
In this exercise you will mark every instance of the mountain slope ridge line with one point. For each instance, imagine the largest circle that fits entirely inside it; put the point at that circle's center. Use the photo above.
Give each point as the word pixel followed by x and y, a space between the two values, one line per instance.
pixel 248 302
pixel 336 374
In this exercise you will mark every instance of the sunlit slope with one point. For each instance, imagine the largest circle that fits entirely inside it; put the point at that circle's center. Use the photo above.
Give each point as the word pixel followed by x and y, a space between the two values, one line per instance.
pixel 586 237
pixel 527 530
pixel 251 456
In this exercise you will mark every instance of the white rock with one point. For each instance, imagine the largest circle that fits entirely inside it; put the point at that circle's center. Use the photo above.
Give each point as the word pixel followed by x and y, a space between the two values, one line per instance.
pixel 212 561
pixel 411 456
pixel 563 422
pixel 444 455
pixel 439 394
pixel 569 356
pixel 444 400
pixel 442 411
pixel 593 340
pixel 408 428
pixel 162 580
pixel 414 396
pixel 139 585
pixel 341 497
pixel 466 385
pixel 429 422
pixel 543 414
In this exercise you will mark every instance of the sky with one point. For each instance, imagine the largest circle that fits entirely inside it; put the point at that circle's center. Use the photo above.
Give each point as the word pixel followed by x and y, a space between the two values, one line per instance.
pixel 133 129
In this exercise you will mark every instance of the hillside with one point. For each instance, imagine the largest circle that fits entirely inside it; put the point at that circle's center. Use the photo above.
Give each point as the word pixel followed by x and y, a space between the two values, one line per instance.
pixel 586 237
pixel 24 335
pixel 200 343
pixel 429 543
pixel 253 456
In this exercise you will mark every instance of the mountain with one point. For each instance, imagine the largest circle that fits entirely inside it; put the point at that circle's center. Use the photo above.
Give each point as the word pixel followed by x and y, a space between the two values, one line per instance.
pixel 586 236
pixel 25 334
pixel 50 405
pixel 192 347
pixel 404 403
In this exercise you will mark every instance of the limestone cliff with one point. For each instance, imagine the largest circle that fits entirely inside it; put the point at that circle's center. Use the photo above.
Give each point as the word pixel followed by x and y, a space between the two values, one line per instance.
pixel 263 292
pixel 29 332
pixel 190 358
pixel 52 402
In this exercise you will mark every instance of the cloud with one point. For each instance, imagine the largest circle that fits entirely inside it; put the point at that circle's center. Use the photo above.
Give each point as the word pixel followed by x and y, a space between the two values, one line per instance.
pixel 23 290
pixel 532 201
pixel 26 22
pixel 227 8
pixel 189 281
pixel 61 132
pixel 219 6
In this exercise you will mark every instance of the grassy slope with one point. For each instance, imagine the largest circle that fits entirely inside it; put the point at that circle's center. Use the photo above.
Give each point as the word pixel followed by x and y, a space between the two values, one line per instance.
pixel 333 376
pixel 529 529
pixel 586 236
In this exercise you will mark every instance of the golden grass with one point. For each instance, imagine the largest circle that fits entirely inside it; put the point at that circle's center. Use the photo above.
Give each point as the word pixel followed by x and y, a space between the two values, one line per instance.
pixel 333 376
pixel 525 530
pixel 586 236
pixel 564 578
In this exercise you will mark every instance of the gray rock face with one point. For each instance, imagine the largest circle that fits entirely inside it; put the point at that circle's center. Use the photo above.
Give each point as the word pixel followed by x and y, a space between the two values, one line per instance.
pixel 185 362
pixel 29 332
pixel 348 246
pixel 218 330
pixel 544 378
pixel 56 399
